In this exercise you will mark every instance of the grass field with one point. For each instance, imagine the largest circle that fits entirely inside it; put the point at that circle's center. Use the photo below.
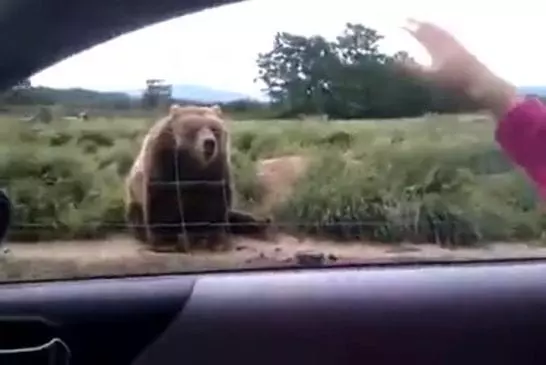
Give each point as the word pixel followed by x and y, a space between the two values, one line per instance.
pixel 435 179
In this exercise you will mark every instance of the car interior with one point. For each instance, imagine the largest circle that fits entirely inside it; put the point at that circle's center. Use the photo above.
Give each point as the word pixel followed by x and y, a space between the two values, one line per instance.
pixel 435 312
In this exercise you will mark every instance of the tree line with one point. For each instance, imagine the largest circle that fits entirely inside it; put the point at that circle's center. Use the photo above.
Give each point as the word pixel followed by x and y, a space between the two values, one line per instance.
pixel 348 78
pixel 345 78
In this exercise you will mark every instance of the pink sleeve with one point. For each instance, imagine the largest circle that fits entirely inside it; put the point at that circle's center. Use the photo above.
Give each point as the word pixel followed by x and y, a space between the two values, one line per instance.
pixel 522 135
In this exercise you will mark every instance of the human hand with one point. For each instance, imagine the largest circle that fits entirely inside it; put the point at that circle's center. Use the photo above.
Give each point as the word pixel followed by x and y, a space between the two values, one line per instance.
pixel 455 67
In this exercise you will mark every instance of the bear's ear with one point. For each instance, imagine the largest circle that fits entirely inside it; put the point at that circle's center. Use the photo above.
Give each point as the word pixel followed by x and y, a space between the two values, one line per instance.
pixel 174 109
pixel 217 110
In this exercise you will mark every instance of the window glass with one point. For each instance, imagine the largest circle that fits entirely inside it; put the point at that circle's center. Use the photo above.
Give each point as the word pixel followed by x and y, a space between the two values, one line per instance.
pixel 315 146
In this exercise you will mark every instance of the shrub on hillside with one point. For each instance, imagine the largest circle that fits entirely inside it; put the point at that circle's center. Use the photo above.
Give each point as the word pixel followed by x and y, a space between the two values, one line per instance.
pixel 391 181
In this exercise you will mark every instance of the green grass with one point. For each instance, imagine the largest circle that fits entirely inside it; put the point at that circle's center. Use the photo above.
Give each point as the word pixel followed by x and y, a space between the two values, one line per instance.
pixel 420 180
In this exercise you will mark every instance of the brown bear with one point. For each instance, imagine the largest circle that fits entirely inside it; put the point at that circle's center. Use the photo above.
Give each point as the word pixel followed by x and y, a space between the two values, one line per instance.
pixel 180 188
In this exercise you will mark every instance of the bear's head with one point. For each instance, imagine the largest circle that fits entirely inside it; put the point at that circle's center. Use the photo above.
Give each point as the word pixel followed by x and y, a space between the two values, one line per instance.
pixel 200 131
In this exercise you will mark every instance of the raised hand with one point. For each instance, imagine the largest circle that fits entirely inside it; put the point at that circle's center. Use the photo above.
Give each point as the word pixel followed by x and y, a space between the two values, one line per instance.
pixel 455 67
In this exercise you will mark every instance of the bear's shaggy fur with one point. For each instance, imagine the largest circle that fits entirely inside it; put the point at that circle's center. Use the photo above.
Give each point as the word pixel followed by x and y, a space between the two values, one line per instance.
pixel 179 188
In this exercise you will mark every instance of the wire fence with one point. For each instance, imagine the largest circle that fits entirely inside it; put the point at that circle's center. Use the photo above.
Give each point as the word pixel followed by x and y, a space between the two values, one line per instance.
pixel 375 226
pixel 119 225
pixel 179 186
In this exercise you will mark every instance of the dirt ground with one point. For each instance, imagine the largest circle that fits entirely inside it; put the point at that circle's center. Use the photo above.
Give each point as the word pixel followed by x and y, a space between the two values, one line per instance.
pixel 122 255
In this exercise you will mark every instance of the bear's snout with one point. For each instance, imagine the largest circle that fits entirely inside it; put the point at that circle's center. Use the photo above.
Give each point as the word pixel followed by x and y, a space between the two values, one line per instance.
pixel 209 147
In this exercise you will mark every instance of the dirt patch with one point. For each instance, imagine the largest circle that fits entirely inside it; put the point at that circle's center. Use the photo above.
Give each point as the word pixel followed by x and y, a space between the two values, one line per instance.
pixel 123 256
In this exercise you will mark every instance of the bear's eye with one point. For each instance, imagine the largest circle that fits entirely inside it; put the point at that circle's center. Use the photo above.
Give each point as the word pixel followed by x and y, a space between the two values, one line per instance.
pixel 189 133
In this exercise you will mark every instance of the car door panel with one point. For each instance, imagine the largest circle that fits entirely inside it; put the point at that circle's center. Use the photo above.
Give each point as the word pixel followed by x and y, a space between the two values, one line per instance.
pixel 421 315
pixel 430 314
pixel 105 321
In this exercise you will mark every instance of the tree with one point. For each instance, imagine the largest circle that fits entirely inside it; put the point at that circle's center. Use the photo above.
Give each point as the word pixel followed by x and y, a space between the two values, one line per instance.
pixel 347 78
pixel 23 85
pixel 296 72
pixel 18 93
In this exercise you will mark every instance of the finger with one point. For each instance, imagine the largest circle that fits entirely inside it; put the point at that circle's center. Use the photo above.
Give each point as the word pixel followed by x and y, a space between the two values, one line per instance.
pixel 436 37
pixel 424 34
pixel 437 55
pixel 412 24
pixel 427 27
pixel 415 29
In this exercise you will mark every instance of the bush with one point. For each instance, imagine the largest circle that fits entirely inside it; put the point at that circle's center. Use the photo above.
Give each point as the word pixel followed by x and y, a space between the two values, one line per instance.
pixel 422 180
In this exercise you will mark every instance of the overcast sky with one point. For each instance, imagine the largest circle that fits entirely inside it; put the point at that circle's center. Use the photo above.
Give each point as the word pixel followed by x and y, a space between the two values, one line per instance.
pixel 218 47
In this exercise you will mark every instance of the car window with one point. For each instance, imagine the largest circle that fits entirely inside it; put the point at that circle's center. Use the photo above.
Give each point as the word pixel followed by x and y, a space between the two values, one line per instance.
pixel 312 146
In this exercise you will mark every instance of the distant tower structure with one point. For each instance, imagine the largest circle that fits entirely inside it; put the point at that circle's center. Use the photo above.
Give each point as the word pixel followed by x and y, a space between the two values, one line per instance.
pixel 157 94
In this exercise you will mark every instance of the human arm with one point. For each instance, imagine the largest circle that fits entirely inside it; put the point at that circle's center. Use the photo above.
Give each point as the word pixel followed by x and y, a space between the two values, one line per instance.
pixel 521 132
pixel 521 124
